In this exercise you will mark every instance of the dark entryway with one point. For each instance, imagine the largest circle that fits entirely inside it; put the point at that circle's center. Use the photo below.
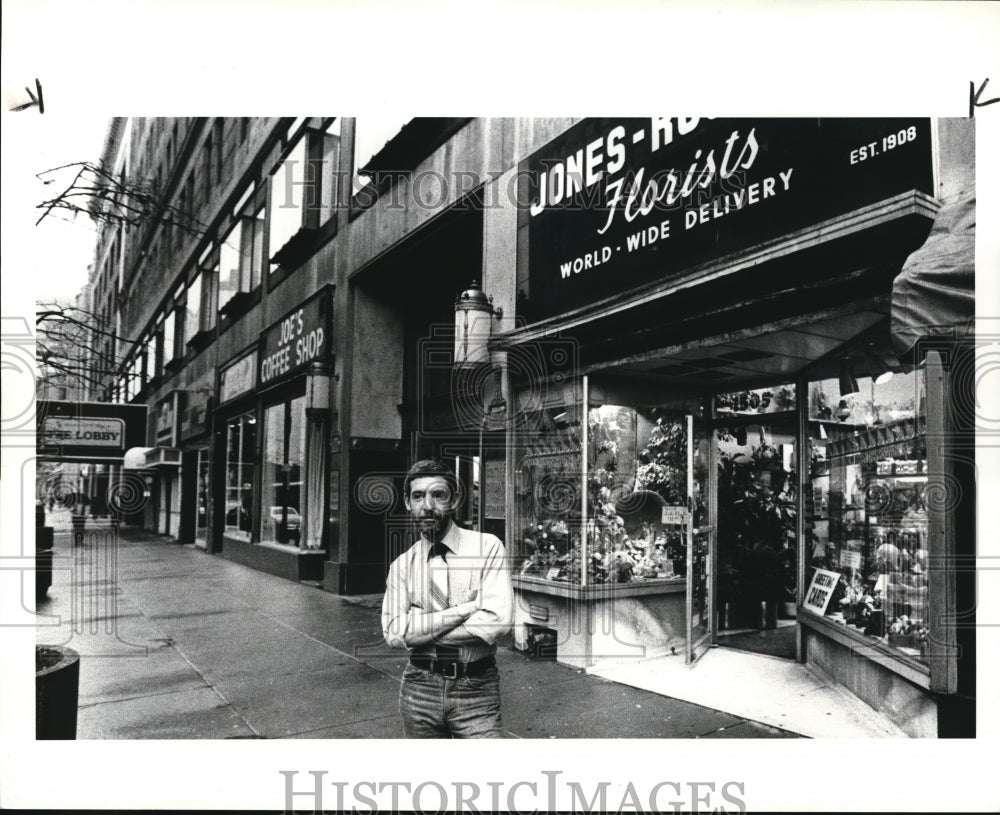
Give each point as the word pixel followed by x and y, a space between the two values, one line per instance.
pixel 757 562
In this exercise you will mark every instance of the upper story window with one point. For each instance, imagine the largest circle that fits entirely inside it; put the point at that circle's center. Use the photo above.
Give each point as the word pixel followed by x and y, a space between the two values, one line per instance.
pixel 218 143
pixel 329 188
pixel 241 253
pixel 158 355
pixel 371 134
pixel 288 198
pixel 169 337
pixel 205 169
pixel 192 309
pixel 208 276
pixel 387 148
pixel 144 363
pixel 304 190
pixel 137 383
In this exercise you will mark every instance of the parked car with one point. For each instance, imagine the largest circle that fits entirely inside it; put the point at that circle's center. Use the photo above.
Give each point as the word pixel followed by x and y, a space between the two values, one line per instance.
pixel 288 530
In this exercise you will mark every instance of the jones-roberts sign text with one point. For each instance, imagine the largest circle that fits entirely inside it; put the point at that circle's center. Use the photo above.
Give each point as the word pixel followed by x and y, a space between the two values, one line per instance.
pixel 612 204
pixel 637 194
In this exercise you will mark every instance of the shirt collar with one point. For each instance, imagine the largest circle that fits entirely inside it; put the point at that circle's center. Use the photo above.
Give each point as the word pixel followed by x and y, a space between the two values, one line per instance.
pixel 450 540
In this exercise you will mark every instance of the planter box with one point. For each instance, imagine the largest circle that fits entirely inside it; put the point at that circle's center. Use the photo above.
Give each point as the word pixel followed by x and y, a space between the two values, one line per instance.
pixel 273 558
pixel 57 687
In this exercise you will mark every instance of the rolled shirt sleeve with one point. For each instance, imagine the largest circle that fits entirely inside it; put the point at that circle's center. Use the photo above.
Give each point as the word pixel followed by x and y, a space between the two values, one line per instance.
pixel 395 606
pixel 495 615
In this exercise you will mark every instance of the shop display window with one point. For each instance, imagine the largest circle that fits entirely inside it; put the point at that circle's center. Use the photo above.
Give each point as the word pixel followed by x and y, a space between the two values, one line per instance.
pixel 283 469
pixel 548 496
pixel 638 467
pixel 607 519
pixel 866 512
pixel 204 511
pixel 241 455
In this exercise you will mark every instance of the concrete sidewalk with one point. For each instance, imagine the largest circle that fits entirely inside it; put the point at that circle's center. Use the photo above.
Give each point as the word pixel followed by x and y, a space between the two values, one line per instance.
pixel 176 643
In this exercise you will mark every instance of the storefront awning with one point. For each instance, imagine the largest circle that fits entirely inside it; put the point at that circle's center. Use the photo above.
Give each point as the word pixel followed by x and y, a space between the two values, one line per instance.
pixel 135 458
pixel 934 294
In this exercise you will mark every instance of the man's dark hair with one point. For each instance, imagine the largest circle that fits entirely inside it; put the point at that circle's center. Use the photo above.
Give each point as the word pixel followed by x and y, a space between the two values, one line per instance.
pixel 431 467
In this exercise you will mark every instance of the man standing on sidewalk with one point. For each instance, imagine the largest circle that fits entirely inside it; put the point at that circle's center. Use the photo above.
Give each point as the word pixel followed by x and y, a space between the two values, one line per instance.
pixel 448 598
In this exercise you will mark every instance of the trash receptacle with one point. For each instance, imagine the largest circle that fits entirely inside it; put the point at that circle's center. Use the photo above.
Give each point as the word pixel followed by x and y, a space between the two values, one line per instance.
pixel 57 688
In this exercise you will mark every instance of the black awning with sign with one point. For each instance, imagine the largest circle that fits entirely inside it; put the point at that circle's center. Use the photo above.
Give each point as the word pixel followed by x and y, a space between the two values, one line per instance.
pixel 935 293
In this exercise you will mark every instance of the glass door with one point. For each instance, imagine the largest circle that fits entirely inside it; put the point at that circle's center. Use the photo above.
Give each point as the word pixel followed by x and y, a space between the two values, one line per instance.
pixel 700 531
pixel 755 440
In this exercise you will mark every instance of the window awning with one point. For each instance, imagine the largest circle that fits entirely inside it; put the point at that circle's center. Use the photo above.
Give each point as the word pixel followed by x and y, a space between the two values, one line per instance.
pixel 135 458
pixel 149 458
pixel 163 457
pixel 934 294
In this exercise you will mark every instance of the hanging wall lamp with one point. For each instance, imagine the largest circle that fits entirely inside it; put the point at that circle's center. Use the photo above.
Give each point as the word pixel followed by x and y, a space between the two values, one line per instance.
pixel 318 387
pixel 848 384
pixel 474 315
pixel 878 368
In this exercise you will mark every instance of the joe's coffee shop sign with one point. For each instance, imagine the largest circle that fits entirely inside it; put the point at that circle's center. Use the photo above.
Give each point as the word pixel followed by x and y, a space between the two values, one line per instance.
pixel 299 338
pixel 613 204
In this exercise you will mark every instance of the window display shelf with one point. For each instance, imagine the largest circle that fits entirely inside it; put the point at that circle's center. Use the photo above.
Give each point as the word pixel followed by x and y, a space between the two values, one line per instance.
pixel 862 645
pixel 575 591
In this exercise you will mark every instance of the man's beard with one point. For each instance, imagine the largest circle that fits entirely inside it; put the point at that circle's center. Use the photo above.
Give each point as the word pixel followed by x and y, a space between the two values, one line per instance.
pixel 434 525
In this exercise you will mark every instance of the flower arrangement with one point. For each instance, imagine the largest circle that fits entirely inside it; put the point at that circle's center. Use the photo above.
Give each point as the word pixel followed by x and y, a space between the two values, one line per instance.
pixel 859 600
pixel 908 631
pixel 663 463
pixel 547 544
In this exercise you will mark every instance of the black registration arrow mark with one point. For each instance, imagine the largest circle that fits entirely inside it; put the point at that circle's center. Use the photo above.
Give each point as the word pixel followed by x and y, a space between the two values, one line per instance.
pixel 974 97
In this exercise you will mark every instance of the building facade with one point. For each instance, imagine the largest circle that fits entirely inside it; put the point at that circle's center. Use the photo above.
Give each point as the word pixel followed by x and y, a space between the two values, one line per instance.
pixel 657 351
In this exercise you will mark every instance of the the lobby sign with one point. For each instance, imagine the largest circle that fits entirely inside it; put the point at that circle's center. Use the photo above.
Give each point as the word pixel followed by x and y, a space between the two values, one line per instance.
pixel 299 338
pixel 88 431
pixel 613 204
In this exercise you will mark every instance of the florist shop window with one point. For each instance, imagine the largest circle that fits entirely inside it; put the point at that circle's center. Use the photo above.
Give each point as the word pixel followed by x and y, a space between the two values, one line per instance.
pixel 636 465
pixel 866 509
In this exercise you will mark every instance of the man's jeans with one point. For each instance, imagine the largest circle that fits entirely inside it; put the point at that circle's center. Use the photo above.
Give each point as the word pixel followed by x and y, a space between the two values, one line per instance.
pixel 437 708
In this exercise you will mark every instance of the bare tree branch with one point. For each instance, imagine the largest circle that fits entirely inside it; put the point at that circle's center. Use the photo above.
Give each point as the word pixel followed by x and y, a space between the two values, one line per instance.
pixel 109 199
pixel 74 349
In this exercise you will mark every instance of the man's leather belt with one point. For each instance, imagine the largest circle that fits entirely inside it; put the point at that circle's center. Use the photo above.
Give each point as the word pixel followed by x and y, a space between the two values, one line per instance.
pixel 451 669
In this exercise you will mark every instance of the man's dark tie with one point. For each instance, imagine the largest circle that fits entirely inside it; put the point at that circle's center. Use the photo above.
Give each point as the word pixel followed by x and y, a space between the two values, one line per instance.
pixel 439 550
